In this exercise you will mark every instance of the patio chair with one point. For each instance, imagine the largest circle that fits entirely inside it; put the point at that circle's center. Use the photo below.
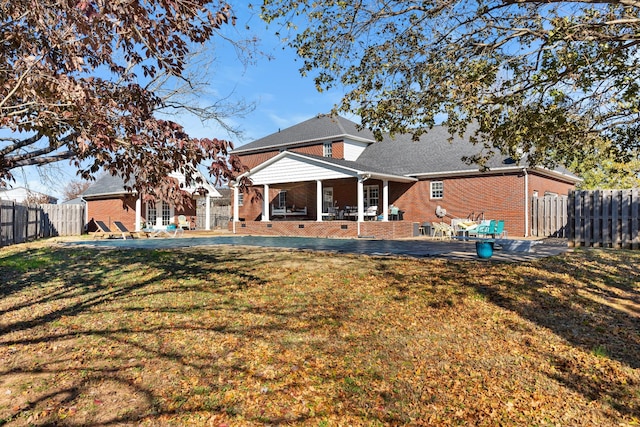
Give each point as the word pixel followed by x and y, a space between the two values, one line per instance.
pixel 183 222
pixel 125 231
pixel 394 213
pixel 103 231
pixel 500 231
pixel 371 213
pixel 170 230
pixel 442 231
pixel 485 229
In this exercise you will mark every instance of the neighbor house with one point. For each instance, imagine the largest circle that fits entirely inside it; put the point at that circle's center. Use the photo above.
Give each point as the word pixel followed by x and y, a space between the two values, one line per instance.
pixel 25 195
pixel 108 200
pixel 326 177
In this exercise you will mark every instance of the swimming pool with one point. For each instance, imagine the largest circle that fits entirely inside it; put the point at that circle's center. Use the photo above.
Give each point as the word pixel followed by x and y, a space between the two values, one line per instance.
pixel 417 248
pixel 413 248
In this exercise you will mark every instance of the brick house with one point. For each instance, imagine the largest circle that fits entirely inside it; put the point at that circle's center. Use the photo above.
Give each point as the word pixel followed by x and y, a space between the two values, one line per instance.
pixel 325 177
pixel 107 200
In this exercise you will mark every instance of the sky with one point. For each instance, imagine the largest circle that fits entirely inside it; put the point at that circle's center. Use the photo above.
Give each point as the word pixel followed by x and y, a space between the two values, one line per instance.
pixel 281 95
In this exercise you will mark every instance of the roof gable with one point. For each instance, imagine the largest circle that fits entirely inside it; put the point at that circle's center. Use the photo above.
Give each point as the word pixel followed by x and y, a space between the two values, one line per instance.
pixel 290 166
pixel 322 127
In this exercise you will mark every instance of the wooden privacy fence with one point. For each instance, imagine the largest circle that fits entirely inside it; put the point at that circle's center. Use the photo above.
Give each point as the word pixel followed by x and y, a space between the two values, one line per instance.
pixel 19 223
pixel 604 218
pixel 549 216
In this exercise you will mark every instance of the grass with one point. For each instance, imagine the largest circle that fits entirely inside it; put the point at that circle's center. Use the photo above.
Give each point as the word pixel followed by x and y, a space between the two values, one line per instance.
pixel 238 336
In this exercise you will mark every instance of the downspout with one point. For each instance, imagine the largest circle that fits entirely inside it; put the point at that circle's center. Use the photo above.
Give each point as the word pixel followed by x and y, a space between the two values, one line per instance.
pixel 526 203
pixel 86 213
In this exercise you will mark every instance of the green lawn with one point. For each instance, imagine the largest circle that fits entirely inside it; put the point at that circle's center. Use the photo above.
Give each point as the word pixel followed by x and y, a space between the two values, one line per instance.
pixel 239 336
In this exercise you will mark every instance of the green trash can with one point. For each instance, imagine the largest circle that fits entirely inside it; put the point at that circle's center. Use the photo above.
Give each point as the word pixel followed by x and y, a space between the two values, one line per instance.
pixel 484 248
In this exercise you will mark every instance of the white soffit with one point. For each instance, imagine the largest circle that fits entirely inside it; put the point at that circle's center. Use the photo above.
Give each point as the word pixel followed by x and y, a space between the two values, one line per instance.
pixel 296 169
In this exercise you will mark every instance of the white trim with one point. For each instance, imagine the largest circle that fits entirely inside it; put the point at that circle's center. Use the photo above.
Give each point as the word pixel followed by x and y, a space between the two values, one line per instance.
pixel 236 208
pixel 207 211
pixel 497 171
pixel 138 225
pixel 265 203
pixel 526 204
pixel 319 195
pixel 385 200
pixel 302 143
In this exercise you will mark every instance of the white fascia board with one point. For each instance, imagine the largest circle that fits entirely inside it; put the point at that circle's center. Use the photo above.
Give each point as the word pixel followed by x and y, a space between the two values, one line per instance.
pixel 96 196
pixel 557 174
pixel 303 142
pixel 387 177
pixel 497 171
pixel 493 171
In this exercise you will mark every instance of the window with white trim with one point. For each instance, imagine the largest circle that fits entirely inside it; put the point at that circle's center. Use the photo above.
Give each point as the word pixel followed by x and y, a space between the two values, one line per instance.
pixel 282 199
pixel 327 149
pixel 166 214
pixel 152 214
pixel 240 199
pixel 437 189
pixel 371 195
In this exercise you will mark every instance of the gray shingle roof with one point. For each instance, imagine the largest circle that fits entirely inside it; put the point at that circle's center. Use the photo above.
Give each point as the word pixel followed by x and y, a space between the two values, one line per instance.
pixel 358 166
pixel 433 153
pixel 106 184
pixel 320 127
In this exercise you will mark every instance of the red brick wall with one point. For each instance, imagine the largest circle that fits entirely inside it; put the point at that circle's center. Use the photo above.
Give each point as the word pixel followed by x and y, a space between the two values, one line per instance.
pixel 109 210
pixel 541 183
pixel 253 160
pixel 338 150
pixel 344 229
pixel 495 196
pixel 314 150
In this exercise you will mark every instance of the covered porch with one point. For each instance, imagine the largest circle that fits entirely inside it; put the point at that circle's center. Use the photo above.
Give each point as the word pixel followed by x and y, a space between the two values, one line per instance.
pixel 342 199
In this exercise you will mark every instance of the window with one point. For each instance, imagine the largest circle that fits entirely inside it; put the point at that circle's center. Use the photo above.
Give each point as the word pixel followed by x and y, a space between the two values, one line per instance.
pixel 166 214
pixel 152 214
pixel 371 195
pixel 282 199
pixel 240 199
pixel 327 149
pixel 437 189
pixel 159 211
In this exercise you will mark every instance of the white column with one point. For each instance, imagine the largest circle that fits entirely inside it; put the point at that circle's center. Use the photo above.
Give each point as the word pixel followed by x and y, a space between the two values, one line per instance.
pixel 138 226
pixel 360 199
pixel 527 200
pixel 265 203
pixel 159 207
pixel 319 196
pixel 207 211
pixel 236 208
pixel 385 200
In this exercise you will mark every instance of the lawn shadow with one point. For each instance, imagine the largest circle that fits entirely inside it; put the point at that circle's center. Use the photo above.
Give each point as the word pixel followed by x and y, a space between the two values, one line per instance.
pixel 80 283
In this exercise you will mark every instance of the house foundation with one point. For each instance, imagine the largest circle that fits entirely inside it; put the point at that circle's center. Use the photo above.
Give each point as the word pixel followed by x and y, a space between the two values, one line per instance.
pixel 337 229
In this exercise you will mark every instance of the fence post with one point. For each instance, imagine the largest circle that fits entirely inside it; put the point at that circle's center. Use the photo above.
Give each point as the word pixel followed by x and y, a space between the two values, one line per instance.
pixel 635 219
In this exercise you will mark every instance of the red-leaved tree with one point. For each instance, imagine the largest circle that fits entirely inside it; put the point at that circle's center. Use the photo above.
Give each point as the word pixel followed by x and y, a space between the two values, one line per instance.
pixel 74 85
